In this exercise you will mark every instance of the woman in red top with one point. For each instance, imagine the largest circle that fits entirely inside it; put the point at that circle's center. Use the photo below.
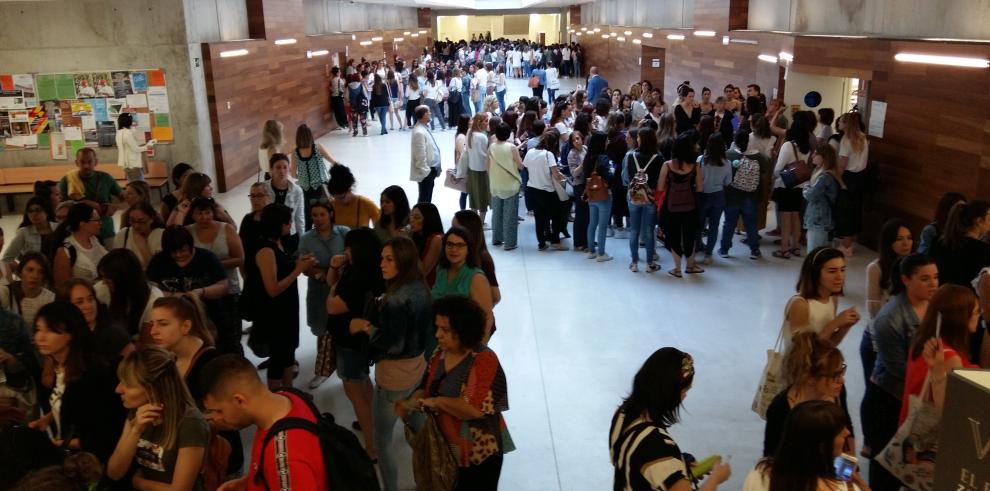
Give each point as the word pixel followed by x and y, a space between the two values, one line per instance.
pixel 934 358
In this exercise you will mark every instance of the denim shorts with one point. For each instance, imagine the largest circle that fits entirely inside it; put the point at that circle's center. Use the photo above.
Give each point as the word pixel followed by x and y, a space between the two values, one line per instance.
pixel 352 365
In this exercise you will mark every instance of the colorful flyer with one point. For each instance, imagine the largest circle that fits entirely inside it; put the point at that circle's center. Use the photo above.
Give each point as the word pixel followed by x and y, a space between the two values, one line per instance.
pixel 139 81
pixel 84 85
pixel 161 134
pixel 38 117
pixel 75 146
pixel 99 106
pixel 81 108
pixel 156 78
pixel 24 82
pixel 6 82
pixel 103 84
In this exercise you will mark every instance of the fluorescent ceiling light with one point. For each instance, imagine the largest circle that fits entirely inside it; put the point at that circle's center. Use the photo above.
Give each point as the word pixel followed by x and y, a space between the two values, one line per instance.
pixel 584 28
pixel 577 33
pixel 725 40
pixel 422 31
pixel 310 54
pixel 398 40
pixel 598 29
pixel 637 41
pixel 705 34
pixel 628 33
pixel 604 36
pixel 406 33
pixel 233 52
pixel 938 60
pixel 675 37
pixel 415 34
pixel 783 55
pixel 612 34
pixel 743 41
pixel 647 35
pixel 620 39
pixel 376 38
pixel 768 58
pixel 282 42
pixel 365 43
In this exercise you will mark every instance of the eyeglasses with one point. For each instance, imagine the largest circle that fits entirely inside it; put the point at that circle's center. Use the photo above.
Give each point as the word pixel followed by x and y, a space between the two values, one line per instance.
pixel 456 245
pixel 257 196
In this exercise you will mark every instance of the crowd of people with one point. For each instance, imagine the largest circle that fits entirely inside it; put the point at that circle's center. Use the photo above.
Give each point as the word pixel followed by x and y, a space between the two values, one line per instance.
pixel 456 78
pixel 125 347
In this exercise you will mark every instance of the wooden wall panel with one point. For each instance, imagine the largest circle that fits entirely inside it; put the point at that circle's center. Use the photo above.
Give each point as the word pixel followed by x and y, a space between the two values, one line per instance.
pixel 424 18
pixel 936 133
pixel 575 11
pixel 618 62
pixel 647 72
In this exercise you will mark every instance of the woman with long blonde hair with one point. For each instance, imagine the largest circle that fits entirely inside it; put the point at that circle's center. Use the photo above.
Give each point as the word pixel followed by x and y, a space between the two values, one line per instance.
pixel 479 192
pixel 271 143
pixel 854 150
pixel 164 424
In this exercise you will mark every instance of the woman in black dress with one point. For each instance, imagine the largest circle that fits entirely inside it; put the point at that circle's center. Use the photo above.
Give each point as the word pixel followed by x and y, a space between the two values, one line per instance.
pixel 686 113
pixel 272 282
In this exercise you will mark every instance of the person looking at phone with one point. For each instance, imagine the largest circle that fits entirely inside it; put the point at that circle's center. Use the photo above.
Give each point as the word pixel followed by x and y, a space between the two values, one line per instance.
pixel 813 309
pixel 643 453
pixel 815 371
pixel 893 329
pixel 271 281
pixel 811 454
pixel 164 434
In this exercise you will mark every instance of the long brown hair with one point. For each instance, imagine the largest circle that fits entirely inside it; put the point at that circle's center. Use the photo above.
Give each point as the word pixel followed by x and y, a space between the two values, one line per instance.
pixel 854 131
pixel 962 218
pixel 830 164
pixel 478 123
pixel 152 368
pixel 810 356
pixel 955 304
pixel 187 308
pixel 811 270
pixel 406 258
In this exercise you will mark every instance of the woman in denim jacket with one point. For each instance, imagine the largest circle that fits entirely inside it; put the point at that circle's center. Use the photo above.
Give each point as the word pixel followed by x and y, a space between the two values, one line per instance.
pixel 819 217
pixel 397 331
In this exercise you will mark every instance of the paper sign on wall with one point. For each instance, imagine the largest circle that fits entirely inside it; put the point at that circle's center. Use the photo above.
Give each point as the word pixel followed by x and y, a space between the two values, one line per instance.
pixel 137 100
pixel 157 100
pixel 655 63
pixel 878 114
pixel 59 150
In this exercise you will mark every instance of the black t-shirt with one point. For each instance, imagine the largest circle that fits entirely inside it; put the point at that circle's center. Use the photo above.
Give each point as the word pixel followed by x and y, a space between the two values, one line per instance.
pixel 108 341
pixel 357 291
pixel 280 194
pixel 202 271
pixel 960 266
pixel 777 413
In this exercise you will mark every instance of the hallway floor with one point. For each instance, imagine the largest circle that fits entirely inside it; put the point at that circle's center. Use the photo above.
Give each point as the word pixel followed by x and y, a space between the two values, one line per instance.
pixel 573 332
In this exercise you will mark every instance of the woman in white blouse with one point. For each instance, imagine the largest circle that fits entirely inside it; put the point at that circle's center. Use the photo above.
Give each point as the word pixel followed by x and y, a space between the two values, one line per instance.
pixel 553 81
pixel 271 143
pixel 854 150
pixel 129 148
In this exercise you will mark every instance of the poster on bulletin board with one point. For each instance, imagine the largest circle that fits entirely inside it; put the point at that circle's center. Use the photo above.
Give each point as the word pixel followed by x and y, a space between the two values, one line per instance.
pixel 63 112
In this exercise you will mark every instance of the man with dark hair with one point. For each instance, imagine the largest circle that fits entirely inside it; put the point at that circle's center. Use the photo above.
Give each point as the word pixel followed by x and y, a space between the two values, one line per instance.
pixel 87 185
pixel 425 166
pixel 235 397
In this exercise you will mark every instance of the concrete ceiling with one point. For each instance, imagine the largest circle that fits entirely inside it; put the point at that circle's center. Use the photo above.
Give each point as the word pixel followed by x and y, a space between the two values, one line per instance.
pixel 477 4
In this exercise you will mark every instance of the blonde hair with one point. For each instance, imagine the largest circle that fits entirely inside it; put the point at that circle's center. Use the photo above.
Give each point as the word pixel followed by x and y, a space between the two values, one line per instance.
pixel 635 91
pixel 478 123
pixel 491 102
pixel 153 369
pixel 854 131
pixel 271 135
pixel 808 357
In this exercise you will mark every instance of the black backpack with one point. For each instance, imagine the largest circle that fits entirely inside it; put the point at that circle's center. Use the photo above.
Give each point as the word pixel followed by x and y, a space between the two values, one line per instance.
pixel 348 466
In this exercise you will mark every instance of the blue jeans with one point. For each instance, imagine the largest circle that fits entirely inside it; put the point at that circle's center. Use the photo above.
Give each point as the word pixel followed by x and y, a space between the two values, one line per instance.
pixel 710 208
pixel 746 206
pixel 505 227
pixel 383 413
pixel 526 69
pixel 477 107
pixel 382 112
pixel 598 221
pixel 817 238
pixel 551 93
pixel 435 114
pixel 466 102
pixel 501 100
pixel 642 218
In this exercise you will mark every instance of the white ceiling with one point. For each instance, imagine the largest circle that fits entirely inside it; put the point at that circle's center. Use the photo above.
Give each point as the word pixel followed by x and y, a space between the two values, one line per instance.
pixel 477 4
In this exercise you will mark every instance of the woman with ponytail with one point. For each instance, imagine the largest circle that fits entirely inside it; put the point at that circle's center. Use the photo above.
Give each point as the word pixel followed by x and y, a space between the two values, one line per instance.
pixel 960 252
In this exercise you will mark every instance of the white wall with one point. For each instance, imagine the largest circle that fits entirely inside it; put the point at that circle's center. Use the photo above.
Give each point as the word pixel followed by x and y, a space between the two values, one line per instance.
pixel 960 19
pixel 215 20
pixel 832 89
pixel 459 27
pixel 328 16
pixel 665 14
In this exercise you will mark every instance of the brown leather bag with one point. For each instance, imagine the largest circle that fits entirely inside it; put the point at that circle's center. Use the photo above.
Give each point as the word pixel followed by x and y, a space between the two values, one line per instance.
pixel 797 172
pixel 595 188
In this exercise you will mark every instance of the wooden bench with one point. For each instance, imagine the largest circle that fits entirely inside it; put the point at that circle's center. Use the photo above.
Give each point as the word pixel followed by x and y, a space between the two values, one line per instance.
pixel 20 180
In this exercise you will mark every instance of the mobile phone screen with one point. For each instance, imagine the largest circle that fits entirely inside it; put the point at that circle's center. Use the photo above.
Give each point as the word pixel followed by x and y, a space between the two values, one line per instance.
pixel 844 468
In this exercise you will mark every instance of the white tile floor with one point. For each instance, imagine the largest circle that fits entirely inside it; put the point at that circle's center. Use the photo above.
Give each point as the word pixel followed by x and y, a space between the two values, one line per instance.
pixel 573 332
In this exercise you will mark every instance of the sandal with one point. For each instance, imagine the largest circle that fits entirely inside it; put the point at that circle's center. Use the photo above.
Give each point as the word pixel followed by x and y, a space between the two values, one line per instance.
pixel 796 252
pixel 653 268
pixel 694 270
pixel 633 267
pixel 675 273
pixel 781 254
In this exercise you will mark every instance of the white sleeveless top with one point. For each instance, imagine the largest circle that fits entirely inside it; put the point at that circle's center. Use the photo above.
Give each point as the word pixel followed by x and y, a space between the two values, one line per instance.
pixel 219 247
pixel 263 160
pixel 819 315
pixel 86 259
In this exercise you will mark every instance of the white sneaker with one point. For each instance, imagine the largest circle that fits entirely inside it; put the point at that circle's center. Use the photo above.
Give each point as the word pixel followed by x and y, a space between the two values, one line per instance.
pixel 317 381
pixel 592 255
pixel 604 258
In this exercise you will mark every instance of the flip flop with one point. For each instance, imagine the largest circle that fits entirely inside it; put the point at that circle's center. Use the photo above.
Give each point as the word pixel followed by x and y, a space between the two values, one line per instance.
pixel 675 273
pixel 694 270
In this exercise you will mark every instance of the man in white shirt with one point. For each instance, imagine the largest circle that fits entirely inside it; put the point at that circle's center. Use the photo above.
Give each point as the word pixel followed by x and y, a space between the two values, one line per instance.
pixel 481 81
pixel 425 165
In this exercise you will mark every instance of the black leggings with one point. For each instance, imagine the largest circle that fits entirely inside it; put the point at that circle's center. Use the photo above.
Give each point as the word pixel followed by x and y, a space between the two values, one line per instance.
pixel 546 209
pixel 481 477
pixel 411 111
pixel 679 229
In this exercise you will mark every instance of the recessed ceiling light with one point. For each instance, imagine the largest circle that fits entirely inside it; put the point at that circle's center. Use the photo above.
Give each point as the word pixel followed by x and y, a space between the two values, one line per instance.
pixel 675 37
pixel 415 34
pixel 365 43
pixel 940 60
pixel 783 55
pixel 628 33
pixel 598 29
pixel 705 34
pixel 584 28
pixel 282 42
pixel 310 54
pixel 612 34
pixel 768 58
pixel 398 40
pixel 406 33
pixel 620 39
pixel 376 38
pixel 422 31
pixel 647 35
pixel 637 41
pixel 725 40
pixel 604 36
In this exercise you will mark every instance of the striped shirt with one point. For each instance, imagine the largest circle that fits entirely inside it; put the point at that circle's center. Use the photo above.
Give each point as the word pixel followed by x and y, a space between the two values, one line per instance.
pixel 644 455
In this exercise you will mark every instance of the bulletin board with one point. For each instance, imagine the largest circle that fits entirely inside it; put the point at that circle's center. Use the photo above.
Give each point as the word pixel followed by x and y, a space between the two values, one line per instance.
pixel 64 112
